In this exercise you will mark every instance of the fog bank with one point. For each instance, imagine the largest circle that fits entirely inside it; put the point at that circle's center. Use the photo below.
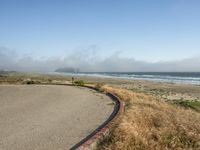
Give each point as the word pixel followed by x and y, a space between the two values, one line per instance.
pixel 89 61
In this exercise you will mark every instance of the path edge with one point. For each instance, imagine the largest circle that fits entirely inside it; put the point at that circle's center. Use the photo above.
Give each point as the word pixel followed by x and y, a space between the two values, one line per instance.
pixel 91 141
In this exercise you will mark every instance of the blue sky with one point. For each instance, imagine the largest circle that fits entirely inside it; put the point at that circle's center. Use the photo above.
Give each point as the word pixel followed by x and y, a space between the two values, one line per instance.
pixel 146 30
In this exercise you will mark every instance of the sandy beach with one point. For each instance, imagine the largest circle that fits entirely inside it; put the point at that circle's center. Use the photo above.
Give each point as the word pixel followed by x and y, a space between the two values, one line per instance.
pixel 163 90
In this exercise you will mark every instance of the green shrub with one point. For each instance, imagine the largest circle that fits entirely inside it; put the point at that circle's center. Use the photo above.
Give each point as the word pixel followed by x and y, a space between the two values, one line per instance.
pixel 30 82
pixel 79 83
pixel 193 104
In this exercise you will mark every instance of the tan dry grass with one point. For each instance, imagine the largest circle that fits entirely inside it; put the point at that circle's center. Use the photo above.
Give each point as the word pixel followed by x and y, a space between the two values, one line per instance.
pixel 152 124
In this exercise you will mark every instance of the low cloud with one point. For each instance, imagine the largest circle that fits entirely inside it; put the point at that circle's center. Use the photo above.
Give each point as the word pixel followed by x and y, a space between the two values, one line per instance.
pixel 89 60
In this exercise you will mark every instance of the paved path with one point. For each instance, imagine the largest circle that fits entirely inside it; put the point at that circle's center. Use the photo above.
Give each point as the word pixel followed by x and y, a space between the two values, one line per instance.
pixel 47 117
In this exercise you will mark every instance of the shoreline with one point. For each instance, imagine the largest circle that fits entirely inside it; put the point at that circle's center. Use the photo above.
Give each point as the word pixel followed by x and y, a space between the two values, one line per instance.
pixel 162 90
pixel 154 77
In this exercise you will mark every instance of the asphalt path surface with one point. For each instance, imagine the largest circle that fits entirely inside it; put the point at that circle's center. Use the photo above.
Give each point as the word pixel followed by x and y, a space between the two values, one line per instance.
pixel 49 117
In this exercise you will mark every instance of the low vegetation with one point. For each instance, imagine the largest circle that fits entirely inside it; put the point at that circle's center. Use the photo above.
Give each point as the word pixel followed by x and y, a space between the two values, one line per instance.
pixel 30 82
pixel 79 83
pixel 149 123
pixel 192 104
pixel 20 78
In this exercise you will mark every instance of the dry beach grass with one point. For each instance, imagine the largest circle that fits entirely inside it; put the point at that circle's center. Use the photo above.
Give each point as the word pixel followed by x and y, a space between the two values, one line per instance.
pixel 149 123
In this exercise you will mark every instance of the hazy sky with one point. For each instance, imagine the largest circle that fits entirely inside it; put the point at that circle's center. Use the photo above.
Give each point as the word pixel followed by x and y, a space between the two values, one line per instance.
pixel 135 31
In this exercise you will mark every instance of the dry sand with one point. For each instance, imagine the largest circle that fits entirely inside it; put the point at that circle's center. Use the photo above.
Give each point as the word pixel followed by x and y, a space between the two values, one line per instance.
pixel 36 117
pixel 162 90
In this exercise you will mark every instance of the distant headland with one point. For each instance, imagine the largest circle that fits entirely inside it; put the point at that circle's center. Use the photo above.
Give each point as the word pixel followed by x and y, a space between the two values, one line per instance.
pixel 68 70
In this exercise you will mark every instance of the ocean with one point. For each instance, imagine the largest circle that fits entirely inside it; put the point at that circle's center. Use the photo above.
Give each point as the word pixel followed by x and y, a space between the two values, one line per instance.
pixel 169 77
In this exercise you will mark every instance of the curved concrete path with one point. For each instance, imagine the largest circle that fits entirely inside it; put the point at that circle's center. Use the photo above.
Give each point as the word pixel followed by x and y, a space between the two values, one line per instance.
pixel 49 117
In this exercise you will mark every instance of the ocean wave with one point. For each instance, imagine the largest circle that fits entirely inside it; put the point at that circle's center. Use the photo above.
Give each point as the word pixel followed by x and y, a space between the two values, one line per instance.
pixel 174 78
